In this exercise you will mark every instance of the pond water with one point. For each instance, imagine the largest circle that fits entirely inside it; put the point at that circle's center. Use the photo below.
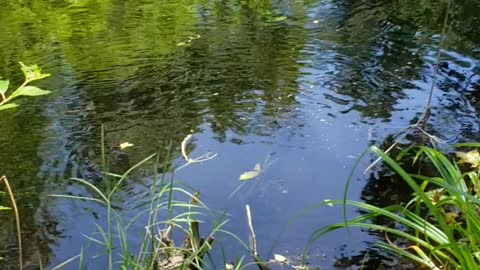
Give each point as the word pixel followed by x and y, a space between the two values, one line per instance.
pixel 308 85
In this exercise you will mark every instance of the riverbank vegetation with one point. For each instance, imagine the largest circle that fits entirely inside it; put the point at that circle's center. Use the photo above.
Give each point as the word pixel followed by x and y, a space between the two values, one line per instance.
pixel 31 74
pixel 439 227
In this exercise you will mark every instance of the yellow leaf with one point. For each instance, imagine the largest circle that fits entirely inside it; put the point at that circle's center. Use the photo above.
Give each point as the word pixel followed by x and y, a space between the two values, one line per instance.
pixel 472 158
pixel 125 145
pixel 251 174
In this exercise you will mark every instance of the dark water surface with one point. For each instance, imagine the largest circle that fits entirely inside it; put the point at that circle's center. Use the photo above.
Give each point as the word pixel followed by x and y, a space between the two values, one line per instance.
pixel 308 84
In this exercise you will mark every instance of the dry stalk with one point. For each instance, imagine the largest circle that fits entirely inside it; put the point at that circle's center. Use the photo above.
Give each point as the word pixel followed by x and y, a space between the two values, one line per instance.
pixel 189 160
pixel 17 220
pixel 422 121
pixel 252 232
pixel 261 263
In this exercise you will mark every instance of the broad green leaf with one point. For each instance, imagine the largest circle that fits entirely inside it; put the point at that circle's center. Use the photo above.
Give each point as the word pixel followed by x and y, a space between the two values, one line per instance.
pixel 4 86
pixel 472 158
pixel 29 91
pixel 32 72
pixel 4 208
pixel 251 174
pixel 8 106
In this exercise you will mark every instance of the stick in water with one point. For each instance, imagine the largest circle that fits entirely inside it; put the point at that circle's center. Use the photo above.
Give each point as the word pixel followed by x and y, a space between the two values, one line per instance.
pixel 261 264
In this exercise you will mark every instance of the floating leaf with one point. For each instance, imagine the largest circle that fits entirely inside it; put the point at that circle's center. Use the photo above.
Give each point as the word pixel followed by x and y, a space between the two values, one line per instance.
pixel 251 174
pixel 125 145
pixel 4 86
pixel 29 91
pixel 228 266
pixel 279 258
pixel 8 106
pixel 181 44
pixel 472 158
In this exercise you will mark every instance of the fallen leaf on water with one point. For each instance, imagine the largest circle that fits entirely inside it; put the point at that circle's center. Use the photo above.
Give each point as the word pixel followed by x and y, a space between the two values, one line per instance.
pixel 125 145
pixel 279 258
pixel 251 174
pixel 228 266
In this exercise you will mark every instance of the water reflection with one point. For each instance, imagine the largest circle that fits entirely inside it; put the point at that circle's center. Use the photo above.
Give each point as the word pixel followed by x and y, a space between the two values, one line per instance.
pixel 311 82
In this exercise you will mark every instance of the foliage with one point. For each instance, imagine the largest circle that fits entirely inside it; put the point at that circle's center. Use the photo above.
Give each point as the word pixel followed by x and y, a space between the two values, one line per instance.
pixel 31 73
pixel 161 209
pixel 440 227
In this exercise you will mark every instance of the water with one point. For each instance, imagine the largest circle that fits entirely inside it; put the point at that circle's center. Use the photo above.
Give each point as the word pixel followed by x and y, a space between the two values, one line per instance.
pixel 309 83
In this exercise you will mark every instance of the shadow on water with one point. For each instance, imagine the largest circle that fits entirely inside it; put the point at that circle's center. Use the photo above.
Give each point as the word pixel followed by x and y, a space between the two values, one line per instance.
pixel 312 83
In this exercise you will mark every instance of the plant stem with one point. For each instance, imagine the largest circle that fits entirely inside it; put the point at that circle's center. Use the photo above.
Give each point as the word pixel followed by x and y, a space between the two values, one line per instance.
pixel 437 65
pixel 7 99
pixel 17 220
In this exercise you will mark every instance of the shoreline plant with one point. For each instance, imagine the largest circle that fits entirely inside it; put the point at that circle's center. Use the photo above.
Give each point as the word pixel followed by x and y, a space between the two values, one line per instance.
pixel 31 73
pixel 439 227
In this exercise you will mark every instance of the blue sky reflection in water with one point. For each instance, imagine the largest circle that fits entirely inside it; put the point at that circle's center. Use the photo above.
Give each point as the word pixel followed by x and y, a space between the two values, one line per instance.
pixel 309 83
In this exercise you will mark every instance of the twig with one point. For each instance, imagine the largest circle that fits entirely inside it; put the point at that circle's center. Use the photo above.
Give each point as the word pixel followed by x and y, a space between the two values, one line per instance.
pixel 202 158
pixel 261 264
pixel 399 138
pixel 422 121
pixel 437 64
pixel 17 220
pixel 252 232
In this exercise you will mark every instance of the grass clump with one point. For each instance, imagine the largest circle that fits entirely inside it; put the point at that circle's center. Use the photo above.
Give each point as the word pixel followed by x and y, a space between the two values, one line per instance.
pixel 440 227
pixel 162 214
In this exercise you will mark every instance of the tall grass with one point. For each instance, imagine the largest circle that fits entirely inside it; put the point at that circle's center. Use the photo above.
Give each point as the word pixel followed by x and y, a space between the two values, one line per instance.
pixel 161 212
pixel 440 225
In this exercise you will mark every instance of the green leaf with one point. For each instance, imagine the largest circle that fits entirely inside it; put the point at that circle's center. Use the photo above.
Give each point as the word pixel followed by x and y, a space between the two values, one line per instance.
pixel 4 208
pixel 8 106
pixel 32 72
pixel 251 174
pixel 29 91
pixel 4 86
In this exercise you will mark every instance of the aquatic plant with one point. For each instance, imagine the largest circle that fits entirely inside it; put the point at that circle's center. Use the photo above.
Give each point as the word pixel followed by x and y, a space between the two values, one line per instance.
pixel 440 227
pixel 163 214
